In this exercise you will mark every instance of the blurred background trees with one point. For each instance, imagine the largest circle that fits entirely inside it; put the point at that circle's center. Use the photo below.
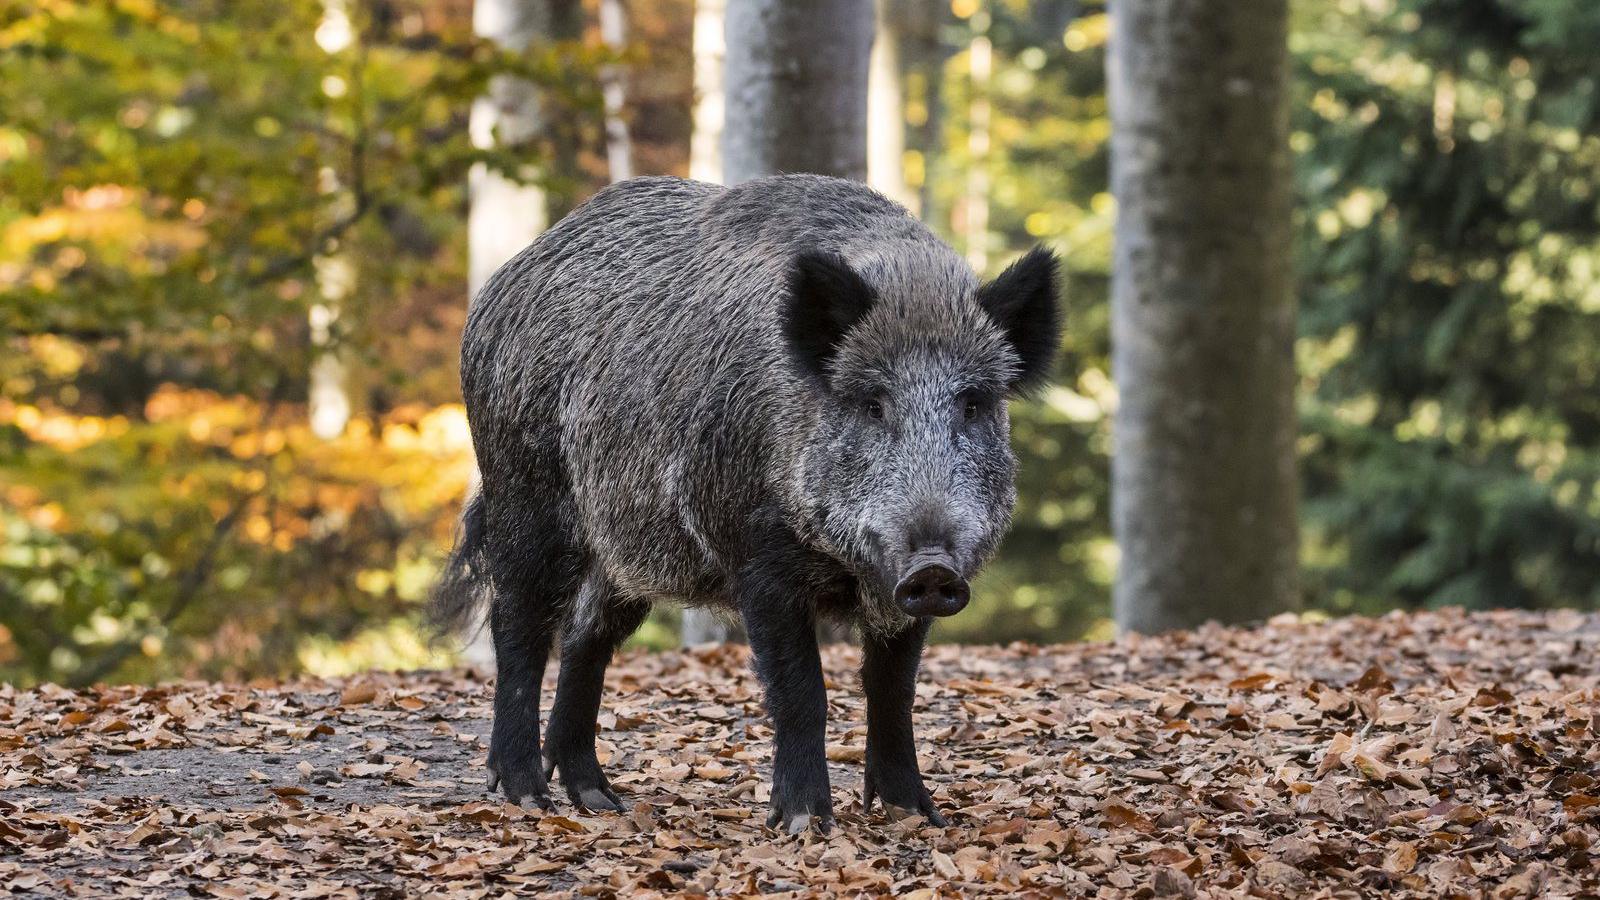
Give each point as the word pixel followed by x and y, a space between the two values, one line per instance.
pixel 172 173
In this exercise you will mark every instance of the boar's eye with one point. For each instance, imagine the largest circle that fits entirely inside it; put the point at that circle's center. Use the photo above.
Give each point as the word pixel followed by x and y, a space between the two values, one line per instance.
pixel 972 405
pixel 875 408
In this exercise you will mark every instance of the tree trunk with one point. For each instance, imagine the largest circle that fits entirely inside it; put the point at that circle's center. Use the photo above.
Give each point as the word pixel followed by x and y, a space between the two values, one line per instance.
pixel 614 88
pixel 796 83
pixel 886 110
pixel 699 626
pixel 504 214
pixel 705 144
pixel 975 205
pixel 328 405
pixel 1203 488
pixel 565 123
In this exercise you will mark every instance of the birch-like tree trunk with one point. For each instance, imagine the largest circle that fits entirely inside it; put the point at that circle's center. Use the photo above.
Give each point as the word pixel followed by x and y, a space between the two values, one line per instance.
pixel 886 109
pixel 328 405
pixel 504 214
pixel 796 85
pixel 1204 488
pixel 705 143
pixel 614 90
pixel 700 626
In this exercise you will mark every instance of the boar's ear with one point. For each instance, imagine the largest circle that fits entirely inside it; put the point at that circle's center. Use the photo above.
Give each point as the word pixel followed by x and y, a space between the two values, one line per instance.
pixel 826 298
pixel 1022 301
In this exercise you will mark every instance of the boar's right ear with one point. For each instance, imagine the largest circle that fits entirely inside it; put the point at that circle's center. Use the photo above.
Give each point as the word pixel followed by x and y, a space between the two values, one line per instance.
pixel 826 298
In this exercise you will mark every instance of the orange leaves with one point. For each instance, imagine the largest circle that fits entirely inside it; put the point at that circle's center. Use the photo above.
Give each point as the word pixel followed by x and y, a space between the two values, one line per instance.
pixel 286 527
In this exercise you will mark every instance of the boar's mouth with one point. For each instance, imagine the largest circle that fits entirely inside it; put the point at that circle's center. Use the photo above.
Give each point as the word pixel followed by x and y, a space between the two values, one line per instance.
pixel 931 586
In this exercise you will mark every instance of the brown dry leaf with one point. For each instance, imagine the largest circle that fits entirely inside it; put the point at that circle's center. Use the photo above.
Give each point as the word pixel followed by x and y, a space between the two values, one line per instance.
pixel 1374 681
pixel 1402 858
pixel 1254 682
pixel 1170 882
pixel 1119 816
pixel 1334 756
pixel 358 693
pixel 846 753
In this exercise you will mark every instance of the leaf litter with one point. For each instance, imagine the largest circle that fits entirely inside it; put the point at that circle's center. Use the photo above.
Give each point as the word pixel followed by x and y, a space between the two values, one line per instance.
pixel 1434 754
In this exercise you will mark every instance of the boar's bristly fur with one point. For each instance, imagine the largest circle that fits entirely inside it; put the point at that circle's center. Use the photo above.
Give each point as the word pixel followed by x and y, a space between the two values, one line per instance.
pixel 785 400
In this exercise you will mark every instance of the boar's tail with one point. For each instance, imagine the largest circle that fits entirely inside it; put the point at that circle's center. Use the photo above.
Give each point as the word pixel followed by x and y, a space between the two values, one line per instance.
pixel 464 585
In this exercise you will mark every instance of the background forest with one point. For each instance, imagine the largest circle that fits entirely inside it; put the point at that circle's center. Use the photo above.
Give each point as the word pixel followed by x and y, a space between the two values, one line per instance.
pixel 234 265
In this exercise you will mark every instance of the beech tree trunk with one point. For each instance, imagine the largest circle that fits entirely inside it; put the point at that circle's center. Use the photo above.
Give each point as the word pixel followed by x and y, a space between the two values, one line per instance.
pixel 1204 486
pixel 505 214
pixel 705 143
pixel 886 109
pixel 796 87
pixel 700 626
pixel 614 85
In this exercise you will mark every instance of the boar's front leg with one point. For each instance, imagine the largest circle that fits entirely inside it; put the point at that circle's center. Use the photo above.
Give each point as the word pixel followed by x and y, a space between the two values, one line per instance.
pixel 889 677
pixel 783 639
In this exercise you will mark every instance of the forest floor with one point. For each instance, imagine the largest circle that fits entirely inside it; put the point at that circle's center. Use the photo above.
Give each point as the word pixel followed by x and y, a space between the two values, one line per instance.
pixel 1423 755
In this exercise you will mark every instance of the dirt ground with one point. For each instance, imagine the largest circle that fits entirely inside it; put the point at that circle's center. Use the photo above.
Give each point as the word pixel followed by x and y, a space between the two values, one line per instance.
pixel 1429 755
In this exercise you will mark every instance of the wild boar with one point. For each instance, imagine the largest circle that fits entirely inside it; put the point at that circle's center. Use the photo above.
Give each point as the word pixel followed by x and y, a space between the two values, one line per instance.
pixel 786 400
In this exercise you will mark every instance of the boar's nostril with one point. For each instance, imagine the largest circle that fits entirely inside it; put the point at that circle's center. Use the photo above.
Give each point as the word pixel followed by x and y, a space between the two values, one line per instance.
pixel 932 587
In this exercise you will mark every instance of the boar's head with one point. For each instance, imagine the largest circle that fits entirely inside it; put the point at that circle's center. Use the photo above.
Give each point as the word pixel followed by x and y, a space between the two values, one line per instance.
pixel 909 475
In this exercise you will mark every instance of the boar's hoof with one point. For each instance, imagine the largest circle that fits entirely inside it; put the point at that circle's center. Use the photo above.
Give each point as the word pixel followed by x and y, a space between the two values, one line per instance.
pixel 910 798
pixel 802 806
pixel 596 799
pixel 523 788
pixel 799 822
pixel 586 785
pixel 899 813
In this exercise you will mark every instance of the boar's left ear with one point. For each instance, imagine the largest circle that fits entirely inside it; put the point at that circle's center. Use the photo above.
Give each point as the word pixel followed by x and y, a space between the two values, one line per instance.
pixel 1022 301
pixel 826 298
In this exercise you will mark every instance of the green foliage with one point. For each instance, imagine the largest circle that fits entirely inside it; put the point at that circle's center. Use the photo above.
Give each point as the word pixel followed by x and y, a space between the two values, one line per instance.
pixel 172 172
pixel 1450 293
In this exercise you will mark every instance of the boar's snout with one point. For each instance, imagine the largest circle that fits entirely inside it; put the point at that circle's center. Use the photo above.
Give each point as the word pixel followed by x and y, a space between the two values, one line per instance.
pixel 931 586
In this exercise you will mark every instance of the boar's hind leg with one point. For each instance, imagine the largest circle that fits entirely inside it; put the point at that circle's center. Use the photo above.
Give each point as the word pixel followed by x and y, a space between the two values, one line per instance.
pixel 600 623
pixel 783 638
pixel 533 581
pixel 889 677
